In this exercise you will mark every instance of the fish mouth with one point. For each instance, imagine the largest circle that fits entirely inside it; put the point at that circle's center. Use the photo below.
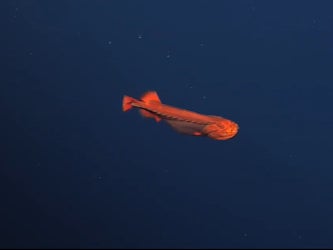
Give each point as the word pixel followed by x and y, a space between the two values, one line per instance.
pixel 220 134
pixel 234 131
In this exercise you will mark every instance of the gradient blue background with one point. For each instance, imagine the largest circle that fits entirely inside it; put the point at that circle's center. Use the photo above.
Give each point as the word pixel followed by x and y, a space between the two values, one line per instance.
pixel 78 172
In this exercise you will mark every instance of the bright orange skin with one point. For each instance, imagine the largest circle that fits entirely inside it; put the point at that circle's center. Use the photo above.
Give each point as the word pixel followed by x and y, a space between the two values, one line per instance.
pixel 182 120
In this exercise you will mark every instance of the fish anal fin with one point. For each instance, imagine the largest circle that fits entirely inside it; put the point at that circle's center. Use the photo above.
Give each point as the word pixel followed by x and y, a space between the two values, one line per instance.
pixel 150 96
pixel 147 114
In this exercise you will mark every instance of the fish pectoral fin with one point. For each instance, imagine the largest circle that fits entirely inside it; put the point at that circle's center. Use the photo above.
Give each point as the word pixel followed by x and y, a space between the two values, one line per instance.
pixel 147 114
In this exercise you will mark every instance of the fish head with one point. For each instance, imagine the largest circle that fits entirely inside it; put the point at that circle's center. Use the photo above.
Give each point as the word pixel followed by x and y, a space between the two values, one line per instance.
pixel 221 130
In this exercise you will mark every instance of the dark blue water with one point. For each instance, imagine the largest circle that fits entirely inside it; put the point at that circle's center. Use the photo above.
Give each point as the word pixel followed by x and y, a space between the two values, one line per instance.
pixel 78 172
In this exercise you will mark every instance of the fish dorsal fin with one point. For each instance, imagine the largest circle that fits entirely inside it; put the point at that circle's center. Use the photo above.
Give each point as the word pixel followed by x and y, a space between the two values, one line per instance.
pixel 150 96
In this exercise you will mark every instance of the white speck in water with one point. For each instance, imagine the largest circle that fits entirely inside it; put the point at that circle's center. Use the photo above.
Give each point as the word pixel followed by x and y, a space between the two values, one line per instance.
pixel 109 42
pixel 140 36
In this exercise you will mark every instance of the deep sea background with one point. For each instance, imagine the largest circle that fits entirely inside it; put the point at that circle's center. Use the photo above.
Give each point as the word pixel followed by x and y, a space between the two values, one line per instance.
pixel 76 171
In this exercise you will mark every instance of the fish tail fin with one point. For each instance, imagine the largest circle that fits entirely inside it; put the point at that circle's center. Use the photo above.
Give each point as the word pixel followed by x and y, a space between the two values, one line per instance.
pixel 127 103
pixel 150 96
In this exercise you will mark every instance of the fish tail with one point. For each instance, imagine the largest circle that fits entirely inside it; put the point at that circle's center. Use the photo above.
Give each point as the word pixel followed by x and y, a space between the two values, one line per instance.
pixel 127 103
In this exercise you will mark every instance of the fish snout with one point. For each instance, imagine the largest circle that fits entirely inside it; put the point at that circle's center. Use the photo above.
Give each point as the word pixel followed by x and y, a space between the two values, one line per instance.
pixel 231 128
pixel 223 130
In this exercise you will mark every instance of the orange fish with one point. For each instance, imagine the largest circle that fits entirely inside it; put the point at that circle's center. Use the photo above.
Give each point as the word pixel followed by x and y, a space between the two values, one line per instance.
pixel 183 121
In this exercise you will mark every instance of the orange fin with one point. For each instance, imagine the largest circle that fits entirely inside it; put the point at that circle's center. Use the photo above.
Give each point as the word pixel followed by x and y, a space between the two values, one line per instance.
pixel 150 96
pixel 127 103
pixel 146 113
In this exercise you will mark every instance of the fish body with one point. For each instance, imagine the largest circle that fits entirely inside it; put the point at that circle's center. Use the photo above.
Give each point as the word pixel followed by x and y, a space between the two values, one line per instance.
pixel 182 120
